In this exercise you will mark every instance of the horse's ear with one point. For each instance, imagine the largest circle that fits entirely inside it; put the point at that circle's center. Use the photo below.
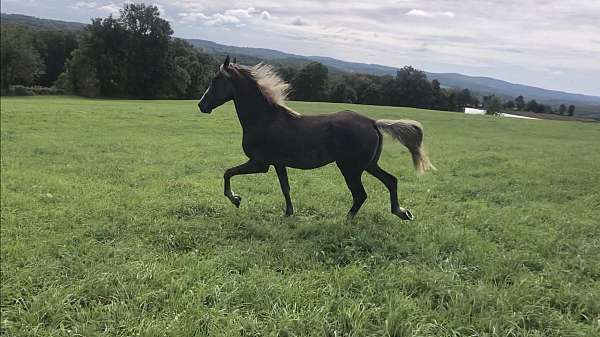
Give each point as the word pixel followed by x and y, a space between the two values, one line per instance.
pixel 226 62
pixel 234 59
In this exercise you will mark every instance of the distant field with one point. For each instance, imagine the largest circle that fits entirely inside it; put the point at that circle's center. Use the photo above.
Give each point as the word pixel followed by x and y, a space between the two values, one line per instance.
pixel 114 224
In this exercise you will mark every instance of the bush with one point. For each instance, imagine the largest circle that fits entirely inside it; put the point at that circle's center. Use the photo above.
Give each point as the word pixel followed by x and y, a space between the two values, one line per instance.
pixel 47 91
pixel 20 90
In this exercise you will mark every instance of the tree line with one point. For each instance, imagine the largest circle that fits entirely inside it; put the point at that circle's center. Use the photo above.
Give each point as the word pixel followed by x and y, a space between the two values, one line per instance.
pixel 519 104
pixel 410 87
pixel 34 57
pixel 135 55
pixel 132 56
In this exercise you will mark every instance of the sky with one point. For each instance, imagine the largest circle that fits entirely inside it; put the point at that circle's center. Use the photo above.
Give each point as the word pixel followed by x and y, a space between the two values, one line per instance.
pixel 545 43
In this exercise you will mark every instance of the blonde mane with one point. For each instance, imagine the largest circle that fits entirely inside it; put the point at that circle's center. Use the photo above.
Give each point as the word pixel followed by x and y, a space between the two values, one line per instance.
pixel 273 87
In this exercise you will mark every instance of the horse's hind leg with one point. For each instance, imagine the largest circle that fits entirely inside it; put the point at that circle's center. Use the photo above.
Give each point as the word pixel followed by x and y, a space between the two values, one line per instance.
pixel 392 185
pixel 354 182
pixel 285 189
pixel 247 168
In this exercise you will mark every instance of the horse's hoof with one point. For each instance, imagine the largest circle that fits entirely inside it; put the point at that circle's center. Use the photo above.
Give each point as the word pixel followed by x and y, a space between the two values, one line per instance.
pixel 289 210
pixel 404 214
pixel 236 200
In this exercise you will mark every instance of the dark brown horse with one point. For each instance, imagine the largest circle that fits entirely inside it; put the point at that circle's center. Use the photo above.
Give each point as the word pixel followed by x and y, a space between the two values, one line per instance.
pixel 273 134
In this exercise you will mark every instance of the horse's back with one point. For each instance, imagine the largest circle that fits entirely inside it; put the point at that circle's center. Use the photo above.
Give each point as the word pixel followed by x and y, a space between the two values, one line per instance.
pixel 355 138
pixel 343 116
pixel 347 136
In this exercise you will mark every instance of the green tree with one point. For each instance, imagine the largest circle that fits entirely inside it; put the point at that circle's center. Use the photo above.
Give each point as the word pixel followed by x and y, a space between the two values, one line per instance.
pixel 571 111
pixel 134 56
pixel 412 88
pixel 310 82
pixel 128 55
pixel 562 109
pixel 21 63
pixel 342 93
pixel 148 43
pixel 438 98
pixel 80 76
pixel 541 108
pixel 452 101
pixel 372 94
pixel 464 98
pixel 106 45
pixel 531 106
pixel 287 73
pixel 493 105
pixel 358 83
pixel 55 48
pixel 509 105
pixel 520 103
pixel 189 71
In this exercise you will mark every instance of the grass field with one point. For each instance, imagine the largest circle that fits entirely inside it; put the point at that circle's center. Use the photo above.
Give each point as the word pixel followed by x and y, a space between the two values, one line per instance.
pixel 114 224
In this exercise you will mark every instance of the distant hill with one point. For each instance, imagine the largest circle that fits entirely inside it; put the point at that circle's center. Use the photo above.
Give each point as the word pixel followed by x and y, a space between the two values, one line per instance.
pixel 249 55
pixel 585 105
pixel 483 85
pixel 37 23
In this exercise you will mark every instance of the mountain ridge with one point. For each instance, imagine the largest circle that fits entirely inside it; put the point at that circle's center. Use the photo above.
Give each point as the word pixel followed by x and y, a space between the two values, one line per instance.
pixel 40 23
pixel 481 84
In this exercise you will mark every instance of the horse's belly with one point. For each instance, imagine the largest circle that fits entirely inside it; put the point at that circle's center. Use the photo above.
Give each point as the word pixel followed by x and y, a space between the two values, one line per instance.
pixel 303 157
pixel 307 159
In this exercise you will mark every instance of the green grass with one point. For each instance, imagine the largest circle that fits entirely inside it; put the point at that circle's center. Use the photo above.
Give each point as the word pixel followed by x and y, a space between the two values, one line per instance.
pixel 114 224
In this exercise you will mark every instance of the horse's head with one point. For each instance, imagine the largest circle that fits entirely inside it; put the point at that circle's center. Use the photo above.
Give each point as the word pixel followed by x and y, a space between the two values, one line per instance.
pixel 219 91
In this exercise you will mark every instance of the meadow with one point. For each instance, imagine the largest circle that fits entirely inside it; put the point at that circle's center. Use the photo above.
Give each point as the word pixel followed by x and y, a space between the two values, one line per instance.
pixel 114 224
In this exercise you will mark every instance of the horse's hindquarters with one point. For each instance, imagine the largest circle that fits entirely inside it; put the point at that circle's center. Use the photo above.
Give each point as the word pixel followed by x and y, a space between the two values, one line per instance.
pixel 355 140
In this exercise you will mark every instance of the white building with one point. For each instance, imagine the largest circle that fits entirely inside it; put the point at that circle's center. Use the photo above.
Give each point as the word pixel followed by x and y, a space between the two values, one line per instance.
pixel 473 111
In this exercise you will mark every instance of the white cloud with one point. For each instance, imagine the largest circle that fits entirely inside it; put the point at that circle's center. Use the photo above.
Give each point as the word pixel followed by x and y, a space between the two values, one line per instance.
pixel 193 17
pixel 265 15
pixel 228 17
pixel 110 8
pixel 298 21
pixel 84 4
pixel 241 13
pixel 426 14
pixel 220 19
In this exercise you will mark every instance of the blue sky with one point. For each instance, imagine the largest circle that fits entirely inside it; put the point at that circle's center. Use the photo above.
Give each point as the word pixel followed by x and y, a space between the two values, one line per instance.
pixel 545 43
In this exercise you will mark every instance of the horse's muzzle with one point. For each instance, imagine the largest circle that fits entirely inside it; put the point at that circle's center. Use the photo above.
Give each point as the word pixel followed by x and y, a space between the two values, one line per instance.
pixel 203 108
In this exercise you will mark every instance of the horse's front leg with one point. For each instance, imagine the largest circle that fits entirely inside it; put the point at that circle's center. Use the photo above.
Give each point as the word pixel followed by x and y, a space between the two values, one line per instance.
pixel 249 167
pixel 285 188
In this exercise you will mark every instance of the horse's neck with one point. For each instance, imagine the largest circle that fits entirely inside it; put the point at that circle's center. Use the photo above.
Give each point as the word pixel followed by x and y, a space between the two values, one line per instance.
pixel 253 110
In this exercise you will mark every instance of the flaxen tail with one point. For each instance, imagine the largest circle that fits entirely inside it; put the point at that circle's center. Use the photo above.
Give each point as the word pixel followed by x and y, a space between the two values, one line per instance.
pixel 410 134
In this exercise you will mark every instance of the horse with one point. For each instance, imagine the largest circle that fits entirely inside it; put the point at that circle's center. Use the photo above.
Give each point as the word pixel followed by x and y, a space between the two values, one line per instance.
pixel 275 135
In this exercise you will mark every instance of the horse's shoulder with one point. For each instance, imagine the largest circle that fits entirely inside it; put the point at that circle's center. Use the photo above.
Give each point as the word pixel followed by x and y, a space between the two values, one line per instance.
pixel 347 112
pixel 342 114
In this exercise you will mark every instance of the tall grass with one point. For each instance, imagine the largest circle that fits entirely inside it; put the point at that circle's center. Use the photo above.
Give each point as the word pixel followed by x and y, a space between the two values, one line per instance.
pixel 114 224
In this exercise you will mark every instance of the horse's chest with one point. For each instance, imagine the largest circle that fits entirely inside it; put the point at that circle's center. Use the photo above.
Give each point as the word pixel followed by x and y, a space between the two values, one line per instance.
pixel 256 146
